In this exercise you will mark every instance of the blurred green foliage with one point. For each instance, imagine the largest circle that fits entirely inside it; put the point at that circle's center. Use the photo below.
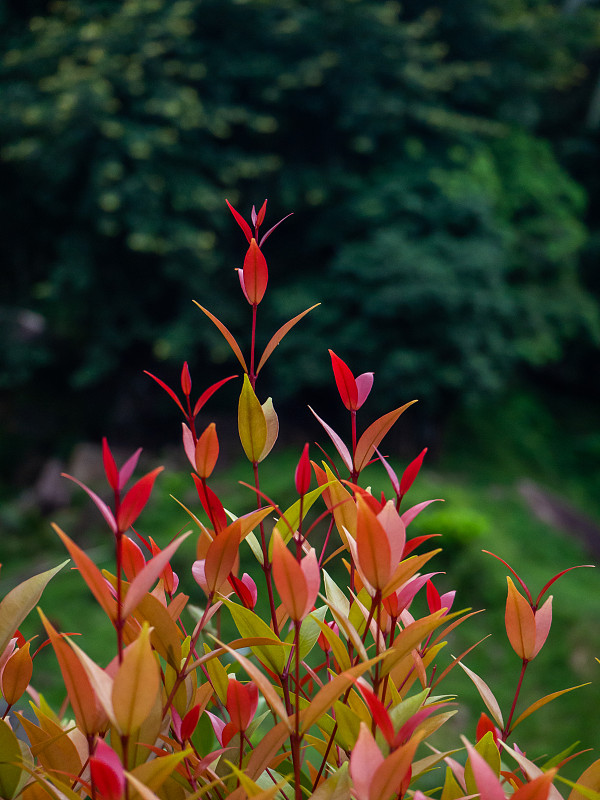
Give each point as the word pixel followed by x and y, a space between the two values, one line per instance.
pixel 418 145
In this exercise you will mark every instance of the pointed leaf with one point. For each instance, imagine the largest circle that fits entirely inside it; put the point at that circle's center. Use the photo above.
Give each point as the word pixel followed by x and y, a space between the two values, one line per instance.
pixel 17 604
pixel 221 556
pixel 277 337
pixel 136 498
pixel 519 622
pixel 110 468
pixel 589 779
pixel 91 575
pixel 208 393
pixel 207 452
pixel 168 390
pixel 542 702
pixel 486 779
pixel 345 382
pixel 411 472
pixel 149 575
pixel 255 274
pixel 263 683
pixel 249 625
pixel 100 504
pixel 227 335
pixel 89 714
pixel 372 437
pixel 389 776
pixel 413 512
pixel 338 443
pixel 537 789
pixel 486 695
pixel 135 685
pixel 240 221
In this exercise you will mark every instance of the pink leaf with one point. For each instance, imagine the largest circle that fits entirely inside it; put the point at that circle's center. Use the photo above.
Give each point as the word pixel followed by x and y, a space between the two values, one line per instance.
pixel 485 777
pixel 102 507
pixel 339 445
pixel 364 384
pixel 128 468
pixel 413 512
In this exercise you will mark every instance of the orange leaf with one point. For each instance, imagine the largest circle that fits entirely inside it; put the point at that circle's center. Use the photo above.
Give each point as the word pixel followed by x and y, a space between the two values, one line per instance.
pixel 289 579
pixel 372 547
pixel 227 334
pixel 277 337
pixel 388 777
pixel 221 556
pixel 89 714
pixel 372 437
pixel 207 451
pixel 91 575
pixel 542 702
pixel 520 622
pixel 537 789
pixel 16 674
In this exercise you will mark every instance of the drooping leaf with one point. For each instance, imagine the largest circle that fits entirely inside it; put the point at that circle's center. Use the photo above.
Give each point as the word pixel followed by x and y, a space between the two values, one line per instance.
pixel 277 337
pixel 17 604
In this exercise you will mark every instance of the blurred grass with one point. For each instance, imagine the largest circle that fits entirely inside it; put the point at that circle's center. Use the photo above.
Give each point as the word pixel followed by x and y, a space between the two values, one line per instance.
pixel 483 458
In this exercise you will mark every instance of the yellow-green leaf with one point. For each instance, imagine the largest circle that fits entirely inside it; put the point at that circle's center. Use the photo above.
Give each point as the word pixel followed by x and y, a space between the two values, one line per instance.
pixel 136 684
pixel 252 425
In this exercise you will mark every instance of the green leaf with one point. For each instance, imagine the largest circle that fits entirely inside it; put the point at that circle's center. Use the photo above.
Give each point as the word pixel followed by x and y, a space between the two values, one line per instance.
pixel 336 787
pixel 289 521
pixel 10 757
pixel 251 625
pixel 20 601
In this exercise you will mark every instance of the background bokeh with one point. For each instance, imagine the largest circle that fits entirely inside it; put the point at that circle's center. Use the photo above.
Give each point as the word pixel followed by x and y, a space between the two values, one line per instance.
pixel 442 160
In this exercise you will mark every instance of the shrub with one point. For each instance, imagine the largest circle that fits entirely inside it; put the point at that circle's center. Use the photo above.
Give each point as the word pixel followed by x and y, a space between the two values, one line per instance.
pixel 336 689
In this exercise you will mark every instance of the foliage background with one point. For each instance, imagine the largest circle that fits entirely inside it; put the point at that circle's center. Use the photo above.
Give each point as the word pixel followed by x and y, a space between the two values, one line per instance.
pixel 440 159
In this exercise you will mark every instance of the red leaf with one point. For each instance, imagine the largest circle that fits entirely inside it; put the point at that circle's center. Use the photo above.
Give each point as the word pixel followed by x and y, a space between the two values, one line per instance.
pixel 110 468
pixel 260 217
pixel 208 393
pixel 241 221
pixel 255 274
pixel 135 500
pixel 345 382
pixel 411 472
pixel 189 722
pixel 303 473
pixel 211 505
pixel 186 380
pixel 167 389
